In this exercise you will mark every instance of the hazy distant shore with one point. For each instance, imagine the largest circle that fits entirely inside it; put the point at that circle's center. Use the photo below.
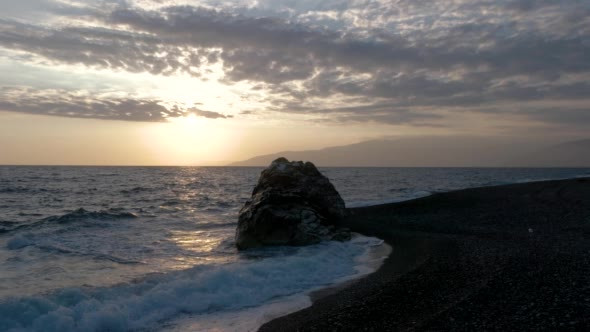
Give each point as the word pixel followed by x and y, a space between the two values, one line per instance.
pixel 511 257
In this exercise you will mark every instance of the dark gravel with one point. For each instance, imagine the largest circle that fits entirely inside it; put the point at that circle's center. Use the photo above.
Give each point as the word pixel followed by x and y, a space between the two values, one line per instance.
pixel 505 258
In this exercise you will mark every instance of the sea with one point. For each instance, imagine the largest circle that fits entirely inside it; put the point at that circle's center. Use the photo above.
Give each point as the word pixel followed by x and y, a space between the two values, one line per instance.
pixel 152 248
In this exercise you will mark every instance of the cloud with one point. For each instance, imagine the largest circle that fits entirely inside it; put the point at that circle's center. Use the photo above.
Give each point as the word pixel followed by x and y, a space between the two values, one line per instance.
pixel 82 105
pixel 99 48
pixel 209 114
pixel 387 61
pixel 274 51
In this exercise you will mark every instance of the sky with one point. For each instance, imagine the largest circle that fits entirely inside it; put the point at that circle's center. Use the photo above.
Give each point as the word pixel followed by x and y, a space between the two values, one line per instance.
pixel 182 82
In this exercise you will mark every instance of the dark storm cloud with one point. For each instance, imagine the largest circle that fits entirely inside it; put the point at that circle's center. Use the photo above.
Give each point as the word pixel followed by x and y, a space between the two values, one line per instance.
pixel 474 54
pixel 65 104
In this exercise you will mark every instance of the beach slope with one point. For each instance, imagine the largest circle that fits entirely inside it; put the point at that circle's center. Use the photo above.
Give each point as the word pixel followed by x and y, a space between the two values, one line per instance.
pixel 512 257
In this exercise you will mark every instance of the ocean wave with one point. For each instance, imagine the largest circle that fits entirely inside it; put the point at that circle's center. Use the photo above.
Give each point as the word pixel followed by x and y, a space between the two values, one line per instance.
pixel 199 290
pixel 14 190
pixel 172 202
pixel 30 240
pixel 23 214
pixel 115 259
pixel 82 214
pixel 6 224
pixel 20 241
pixel 74 216
pixel 26 190
pixel 223 204
pixel 136 190
pixel 216 225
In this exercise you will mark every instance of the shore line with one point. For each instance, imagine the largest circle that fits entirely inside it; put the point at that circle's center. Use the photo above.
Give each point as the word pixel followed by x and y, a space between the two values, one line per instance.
pixel 468 259
pixel 426 193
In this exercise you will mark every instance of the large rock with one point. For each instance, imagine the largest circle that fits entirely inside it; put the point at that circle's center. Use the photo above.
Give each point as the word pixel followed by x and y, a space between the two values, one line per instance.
pixel 292 204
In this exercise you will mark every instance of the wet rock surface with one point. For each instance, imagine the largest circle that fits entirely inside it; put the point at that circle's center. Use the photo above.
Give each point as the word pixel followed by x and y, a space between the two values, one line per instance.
pixel 292 204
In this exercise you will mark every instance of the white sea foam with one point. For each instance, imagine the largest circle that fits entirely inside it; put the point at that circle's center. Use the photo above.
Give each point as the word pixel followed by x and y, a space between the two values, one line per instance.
pixel 244 320
pixel 250 319
pixel 201 290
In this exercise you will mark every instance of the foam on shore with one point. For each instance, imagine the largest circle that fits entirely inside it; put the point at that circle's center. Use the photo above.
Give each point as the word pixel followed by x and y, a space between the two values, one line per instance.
pixel 250 319
pixel 230 297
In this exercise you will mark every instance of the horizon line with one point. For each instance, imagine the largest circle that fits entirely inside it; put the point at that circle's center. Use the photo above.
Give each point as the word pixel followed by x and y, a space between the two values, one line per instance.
pixel 254 166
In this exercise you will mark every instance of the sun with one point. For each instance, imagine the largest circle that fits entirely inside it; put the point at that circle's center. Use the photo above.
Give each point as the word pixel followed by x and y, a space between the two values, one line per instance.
pixel 190 140
pixel 189 121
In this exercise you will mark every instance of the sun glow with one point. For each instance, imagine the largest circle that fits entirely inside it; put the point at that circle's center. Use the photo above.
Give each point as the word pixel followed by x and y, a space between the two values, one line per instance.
pixel 191 140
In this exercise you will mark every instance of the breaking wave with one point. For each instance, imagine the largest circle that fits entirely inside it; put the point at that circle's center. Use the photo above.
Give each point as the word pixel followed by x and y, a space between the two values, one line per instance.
pixel 202 289
pixel 74 216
